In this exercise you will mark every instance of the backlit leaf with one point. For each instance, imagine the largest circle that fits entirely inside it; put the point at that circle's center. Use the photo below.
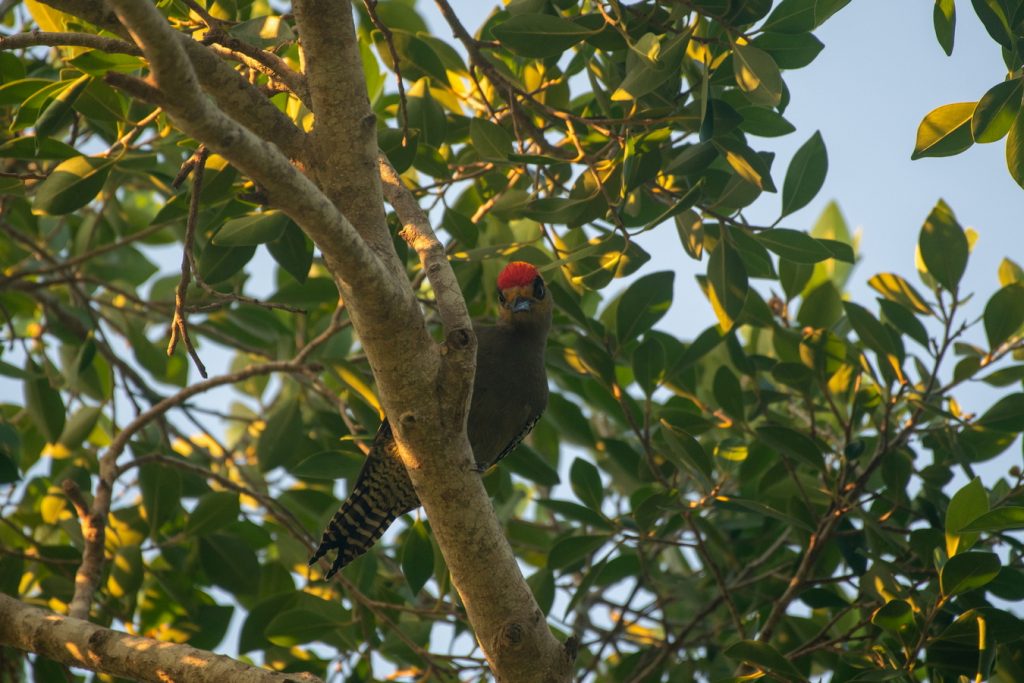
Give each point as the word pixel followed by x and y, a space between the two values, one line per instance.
pixel 945 131
pixel 805 175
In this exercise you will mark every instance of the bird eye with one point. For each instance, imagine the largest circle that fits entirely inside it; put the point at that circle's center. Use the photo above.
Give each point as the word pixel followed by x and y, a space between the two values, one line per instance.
pixel 501 296
pixel 538 288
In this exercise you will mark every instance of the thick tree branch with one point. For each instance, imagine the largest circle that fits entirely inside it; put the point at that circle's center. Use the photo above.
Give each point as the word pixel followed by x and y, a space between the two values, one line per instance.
pixel 78 643
pixel 343 142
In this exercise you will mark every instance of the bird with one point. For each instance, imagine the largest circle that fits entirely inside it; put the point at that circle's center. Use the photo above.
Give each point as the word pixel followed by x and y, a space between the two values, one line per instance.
pixel 510 392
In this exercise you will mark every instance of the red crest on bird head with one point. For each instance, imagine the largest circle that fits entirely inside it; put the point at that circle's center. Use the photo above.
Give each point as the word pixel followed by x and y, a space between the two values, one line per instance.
pixel 517 274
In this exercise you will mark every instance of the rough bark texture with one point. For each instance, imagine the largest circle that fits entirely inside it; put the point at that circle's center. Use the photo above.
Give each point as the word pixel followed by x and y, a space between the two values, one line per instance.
pixel 78 643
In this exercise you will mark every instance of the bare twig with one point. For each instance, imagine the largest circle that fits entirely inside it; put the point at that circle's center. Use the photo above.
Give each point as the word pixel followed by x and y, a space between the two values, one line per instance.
pixel 179 325
pixel 389 40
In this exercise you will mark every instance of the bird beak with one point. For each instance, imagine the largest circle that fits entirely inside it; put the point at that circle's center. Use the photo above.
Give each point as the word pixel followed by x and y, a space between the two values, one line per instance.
pixel 521 304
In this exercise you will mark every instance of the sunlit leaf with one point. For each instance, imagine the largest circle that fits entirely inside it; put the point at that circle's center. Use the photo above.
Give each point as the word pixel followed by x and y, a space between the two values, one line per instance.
pixel 945 131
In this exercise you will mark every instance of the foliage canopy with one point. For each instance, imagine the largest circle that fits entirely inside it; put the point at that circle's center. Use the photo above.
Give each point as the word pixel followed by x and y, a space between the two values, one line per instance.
pixel 770 497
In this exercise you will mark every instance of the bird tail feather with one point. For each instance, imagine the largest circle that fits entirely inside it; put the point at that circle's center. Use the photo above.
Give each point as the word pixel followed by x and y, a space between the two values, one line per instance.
pixel 354 528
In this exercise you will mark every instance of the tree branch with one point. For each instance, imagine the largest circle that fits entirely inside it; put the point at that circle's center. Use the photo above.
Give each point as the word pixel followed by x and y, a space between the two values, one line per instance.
pixel 78 643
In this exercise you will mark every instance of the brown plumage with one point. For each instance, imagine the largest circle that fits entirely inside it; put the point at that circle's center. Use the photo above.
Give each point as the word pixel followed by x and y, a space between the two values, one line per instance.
pixel 510 391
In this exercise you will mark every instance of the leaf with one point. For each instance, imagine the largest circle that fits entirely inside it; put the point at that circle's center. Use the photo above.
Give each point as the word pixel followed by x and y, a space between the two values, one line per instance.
pixel 967 504
pixel 968 571
pixel 646 70
pixel 728 393
pixel 904 320
pixel 214 511
pixel 217 264
pixel 691 233
pixel 1015 148
pixel 728 284
pixel 649 365
pixel 572 549
pixel 539 35
pixel 643 304
pixel 945 131
pixel 417 557
pixel 994 18
pixel 757 75
pixel 805 175
pixel 747 163
pixel 72 184
pixel 792 443
pixel 1004 314
pixel 276 446
pixel 542 585
pixel 764 656
pixel 869 329
pixel 79 426
pixel 10 444
pixel 944 21
pixel 491 141
pixel 229 562
pixel 996 111
pixel 161 494
pixel 790 50
pixel 1006 518
pixel 43 403
pixel 586 483
pixel 293 251
pixel 687 453
pixel 944 247
pixel 251 230
pixel 308 623
pixel 793 245
pixel 1007 415
pixel 895 288
pixel 894 616
pixel 800 16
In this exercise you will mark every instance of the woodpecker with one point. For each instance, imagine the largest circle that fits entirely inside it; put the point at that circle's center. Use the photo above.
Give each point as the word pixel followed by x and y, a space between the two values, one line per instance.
pixel 510 391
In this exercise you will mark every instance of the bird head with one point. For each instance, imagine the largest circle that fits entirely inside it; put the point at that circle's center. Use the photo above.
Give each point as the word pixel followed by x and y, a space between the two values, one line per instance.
pixel 523 295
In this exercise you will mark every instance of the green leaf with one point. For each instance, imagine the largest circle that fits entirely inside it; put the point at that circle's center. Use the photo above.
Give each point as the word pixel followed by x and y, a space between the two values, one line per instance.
pixel 1004 314
pixel 306 624
pixel 643 304
pixel 30 147
pixel 996 111
pixel 800 16
pixel 994 18
pixel 728 393
pixel 868 328
pixel 968 571
pixel 161 494
pixel 293 251
pixel 896 289
pixel 648 66
pixel 539 35
pixel 967 504
pixel 944 247
pixel 72 184
pixel 687 453
pixel 229 562
pixel 251 230
pixel 426 115
pixel 10 444
pixel 491 141
pixel 944 21
pixel 649 365
pixel 55 114
pixel 79 426
pixel 690 228
pixel 794 245
pixel 764 656
pixel 1015 148
pixel 757 75
pixel 894 616
pixel 572 549
pixel 747 163
pixel 542 585
pixel 900 317
pixel 217 264
pixel 276 446
pixel 417 557
pixel 728 284
pixel 43 403
pixel 945 131
pixel 214 511
pixel 1007 415
pixel 1006 518
pixel 805 175
pixel 790 50
pixel 586 483
pixel 792 443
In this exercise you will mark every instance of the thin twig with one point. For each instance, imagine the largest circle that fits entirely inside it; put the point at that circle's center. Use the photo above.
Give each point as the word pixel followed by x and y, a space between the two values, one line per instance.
pixel 179 325
pixel 389 39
